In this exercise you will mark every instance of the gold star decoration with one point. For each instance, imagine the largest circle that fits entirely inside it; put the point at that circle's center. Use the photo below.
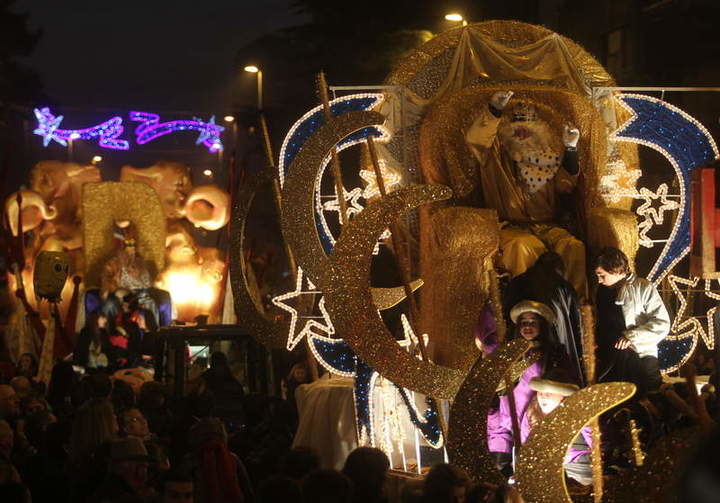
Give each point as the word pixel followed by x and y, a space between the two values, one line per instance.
pixel 652 215
pixel 311 326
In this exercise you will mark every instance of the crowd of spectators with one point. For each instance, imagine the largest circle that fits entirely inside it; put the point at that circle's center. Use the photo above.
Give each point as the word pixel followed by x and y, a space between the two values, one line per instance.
pixel 95 438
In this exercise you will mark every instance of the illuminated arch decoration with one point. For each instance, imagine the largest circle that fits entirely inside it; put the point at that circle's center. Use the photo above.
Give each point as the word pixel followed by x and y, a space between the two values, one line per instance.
pixel 151 128
pixel 308 125
pixel 685 143
pixel 106 132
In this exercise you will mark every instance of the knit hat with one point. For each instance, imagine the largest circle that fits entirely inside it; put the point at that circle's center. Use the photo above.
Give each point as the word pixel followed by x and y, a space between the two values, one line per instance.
pixel 532 306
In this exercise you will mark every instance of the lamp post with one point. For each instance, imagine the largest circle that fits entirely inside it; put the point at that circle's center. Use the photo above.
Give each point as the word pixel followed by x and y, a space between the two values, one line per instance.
pixel 73 137
pixel 312 364
pixel 256 70
pixel 456 17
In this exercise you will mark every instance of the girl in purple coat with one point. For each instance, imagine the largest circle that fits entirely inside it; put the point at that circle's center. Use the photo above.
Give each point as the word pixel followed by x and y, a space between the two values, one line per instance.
pixel 532 320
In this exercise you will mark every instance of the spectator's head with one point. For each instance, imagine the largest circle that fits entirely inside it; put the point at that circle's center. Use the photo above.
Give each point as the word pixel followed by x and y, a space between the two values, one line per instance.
pixel 132 423
pixel 62 382
pixel 7 439
pixel 176 487
pixel 27 365
pixel 152 396
pixel 122 395
pixel 551 261
pixel 22 386
pixel 532 319
pixel 298 373
pixel 279 489
pixel 36 427
pixel 298 462
pixel 129 459
pixel 611 266
pixel 218 359
pixel 9 402
pixel 32 405
pixel 207 429
pixel 94 424
pixel 446 484
pixel 327 486
pixel 367 468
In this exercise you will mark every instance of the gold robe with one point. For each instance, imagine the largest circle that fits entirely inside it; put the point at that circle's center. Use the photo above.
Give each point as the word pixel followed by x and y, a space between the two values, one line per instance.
pixel 527 229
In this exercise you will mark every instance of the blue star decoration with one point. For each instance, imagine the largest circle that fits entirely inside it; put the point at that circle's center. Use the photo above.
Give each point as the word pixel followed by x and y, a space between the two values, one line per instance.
pixel 47 124
pixel 209 131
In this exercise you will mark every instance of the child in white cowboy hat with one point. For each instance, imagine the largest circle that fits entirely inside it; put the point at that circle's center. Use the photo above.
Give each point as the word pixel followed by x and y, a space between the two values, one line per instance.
pixel 550 391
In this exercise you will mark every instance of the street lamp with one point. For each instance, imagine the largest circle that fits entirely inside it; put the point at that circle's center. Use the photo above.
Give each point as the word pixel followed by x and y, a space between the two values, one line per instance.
pixel 73 137
pixel 228 118
pixel 255 69
pixel 207 172
pixel 456 17
pixel 96 159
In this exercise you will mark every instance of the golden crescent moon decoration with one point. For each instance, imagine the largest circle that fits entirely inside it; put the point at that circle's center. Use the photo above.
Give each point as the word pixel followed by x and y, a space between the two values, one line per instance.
pixel 298 196
pixel 467 436
pixel 267 332
pixel 348 299
pixel 539 471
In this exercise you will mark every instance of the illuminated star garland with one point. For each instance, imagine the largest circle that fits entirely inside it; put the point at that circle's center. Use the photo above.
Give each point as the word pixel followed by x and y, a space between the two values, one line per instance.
pixel 390 178
pixel 616 180
pixel 106 132
pixel 686 330
pixel 151 128
pixel 351 197
pixel 311 326
pixel 653 216
pixel 685 143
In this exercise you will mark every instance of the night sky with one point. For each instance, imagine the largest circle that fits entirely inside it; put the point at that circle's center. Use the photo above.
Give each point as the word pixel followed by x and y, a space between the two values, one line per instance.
pixel 165 54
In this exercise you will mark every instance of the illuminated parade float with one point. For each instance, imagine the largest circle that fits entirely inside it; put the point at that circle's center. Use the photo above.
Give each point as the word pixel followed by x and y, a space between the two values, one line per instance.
pixel 462 178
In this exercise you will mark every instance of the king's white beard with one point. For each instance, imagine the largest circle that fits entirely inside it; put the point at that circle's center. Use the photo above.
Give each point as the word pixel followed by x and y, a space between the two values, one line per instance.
pixel 536 161
pixel 538 141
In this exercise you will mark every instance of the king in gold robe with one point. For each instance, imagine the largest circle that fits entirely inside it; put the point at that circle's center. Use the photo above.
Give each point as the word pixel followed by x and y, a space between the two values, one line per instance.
pixel 523 168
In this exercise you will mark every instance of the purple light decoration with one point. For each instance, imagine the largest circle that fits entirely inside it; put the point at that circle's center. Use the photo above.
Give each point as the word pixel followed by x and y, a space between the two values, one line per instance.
pixel 150 128
pixel 106 132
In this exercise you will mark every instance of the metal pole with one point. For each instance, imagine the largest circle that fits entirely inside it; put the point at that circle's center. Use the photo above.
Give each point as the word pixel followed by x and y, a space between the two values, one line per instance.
pixel 260 91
